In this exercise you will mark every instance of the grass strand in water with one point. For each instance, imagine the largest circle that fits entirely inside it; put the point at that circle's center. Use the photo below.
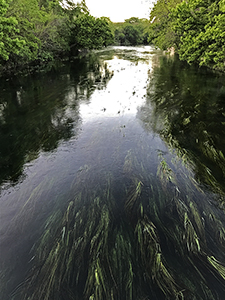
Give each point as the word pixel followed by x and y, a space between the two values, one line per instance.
pixel 99 251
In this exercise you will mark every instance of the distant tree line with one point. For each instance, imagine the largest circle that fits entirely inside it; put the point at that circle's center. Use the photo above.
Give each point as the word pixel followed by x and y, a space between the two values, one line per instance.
pixel 195 28
pixel 132 32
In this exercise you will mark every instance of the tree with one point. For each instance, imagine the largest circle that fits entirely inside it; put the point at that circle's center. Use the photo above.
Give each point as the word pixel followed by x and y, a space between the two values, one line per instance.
pixel 132 32
pixel 201 29
pixel 196 28
pixel 132 35
pixel 74 10
pixel 91 33
pixel 103 32
pixel 161 32
pixel 10 41
pixel 36 31
pixel 44 26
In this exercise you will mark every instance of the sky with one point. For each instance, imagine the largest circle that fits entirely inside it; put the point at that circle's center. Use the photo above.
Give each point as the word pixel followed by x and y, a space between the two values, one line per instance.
pixel 119 10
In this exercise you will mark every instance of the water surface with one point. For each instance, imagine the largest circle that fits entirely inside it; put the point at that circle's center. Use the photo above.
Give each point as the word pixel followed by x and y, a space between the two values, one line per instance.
pixel 112 180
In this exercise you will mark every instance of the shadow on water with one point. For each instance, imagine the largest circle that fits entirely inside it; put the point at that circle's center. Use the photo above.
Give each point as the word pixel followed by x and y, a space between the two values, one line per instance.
pixel 132 208
pixel 37 114
pixel 34 112
pixel 185 106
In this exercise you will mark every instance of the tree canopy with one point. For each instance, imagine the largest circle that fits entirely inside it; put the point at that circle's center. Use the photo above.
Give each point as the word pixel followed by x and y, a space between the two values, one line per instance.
pixel 195 28
pixel 202 38
pixel 36 31
pixel 161 31
pixel 91 33
pixel 10 41
pixel 40 30
pixel 132 32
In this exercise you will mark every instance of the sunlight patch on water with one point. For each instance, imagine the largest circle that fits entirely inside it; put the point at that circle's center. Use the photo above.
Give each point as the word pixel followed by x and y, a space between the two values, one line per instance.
pixel 125 92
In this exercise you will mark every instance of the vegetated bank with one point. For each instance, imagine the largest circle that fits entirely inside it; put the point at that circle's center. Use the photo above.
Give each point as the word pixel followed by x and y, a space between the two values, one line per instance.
pixel 195 28
pixel 39 31
pixel 36 32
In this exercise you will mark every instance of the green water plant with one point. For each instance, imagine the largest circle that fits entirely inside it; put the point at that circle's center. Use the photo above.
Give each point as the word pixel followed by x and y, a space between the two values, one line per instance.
pixel 154 241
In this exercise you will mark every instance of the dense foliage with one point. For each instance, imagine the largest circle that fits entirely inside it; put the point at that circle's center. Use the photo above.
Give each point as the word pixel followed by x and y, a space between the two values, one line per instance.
pixel 196 29
pixel 91 33
pixel 132 32
pixel 9 40
pixel 161 32
pixel 36 31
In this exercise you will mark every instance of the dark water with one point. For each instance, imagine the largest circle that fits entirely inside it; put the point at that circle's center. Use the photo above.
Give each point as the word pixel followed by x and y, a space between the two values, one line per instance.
pixel 112 180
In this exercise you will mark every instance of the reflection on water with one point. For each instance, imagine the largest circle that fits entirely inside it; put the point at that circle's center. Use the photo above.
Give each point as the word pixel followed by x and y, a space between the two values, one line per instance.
pixel 37 112
pixel 187 110
pixel 112 180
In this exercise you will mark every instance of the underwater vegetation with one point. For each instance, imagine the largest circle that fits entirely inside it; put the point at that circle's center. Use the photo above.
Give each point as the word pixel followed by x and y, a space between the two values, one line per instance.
pixel 186 108
pixel 163 238
pixel 155 231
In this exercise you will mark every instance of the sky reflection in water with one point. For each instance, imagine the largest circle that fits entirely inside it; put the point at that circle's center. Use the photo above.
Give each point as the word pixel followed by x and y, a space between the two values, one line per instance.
pixel 125 92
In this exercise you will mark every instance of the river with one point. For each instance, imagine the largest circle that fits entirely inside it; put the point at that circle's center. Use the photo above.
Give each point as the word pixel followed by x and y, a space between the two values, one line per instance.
pixel 112 180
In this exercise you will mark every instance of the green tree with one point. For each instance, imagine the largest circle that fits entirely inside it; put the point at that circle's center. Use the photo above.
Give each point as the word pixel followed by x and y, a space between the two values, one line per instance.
pixel 119 37
pixel 132 32
pixel 103 32
pixel 36 31
pixel 132 35
pixel 91 33
pixel 200 26
pixel 10 41
pixel 196 28
pixel 44 27
pixel 161 32
pixel 74 10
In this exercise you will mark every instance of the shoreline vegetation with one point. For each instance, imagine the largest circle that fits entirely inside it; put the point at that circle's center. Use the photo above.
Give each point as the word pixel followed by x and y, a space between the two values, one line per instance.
pixel 38 32
pixel 195 28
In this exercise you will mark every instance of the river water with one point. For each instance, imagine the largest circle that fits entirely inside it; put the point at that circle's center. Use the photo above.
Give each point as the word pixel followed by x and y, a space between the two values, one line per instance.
pixel 112 180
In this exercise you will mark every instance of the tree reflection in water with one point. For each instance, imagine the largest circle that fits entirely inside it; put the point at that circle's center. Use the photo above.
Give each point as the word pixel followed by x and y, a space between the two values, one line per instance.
pixel 186 107
pixel 35 111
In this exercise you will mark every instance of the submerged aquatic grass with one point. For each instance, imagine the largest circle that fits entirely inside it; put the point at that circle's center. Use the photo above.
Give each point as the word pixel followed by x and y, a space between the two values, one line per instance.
pixel 157 238
pixel 217 265
pixel 157 234
pixel 149 244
